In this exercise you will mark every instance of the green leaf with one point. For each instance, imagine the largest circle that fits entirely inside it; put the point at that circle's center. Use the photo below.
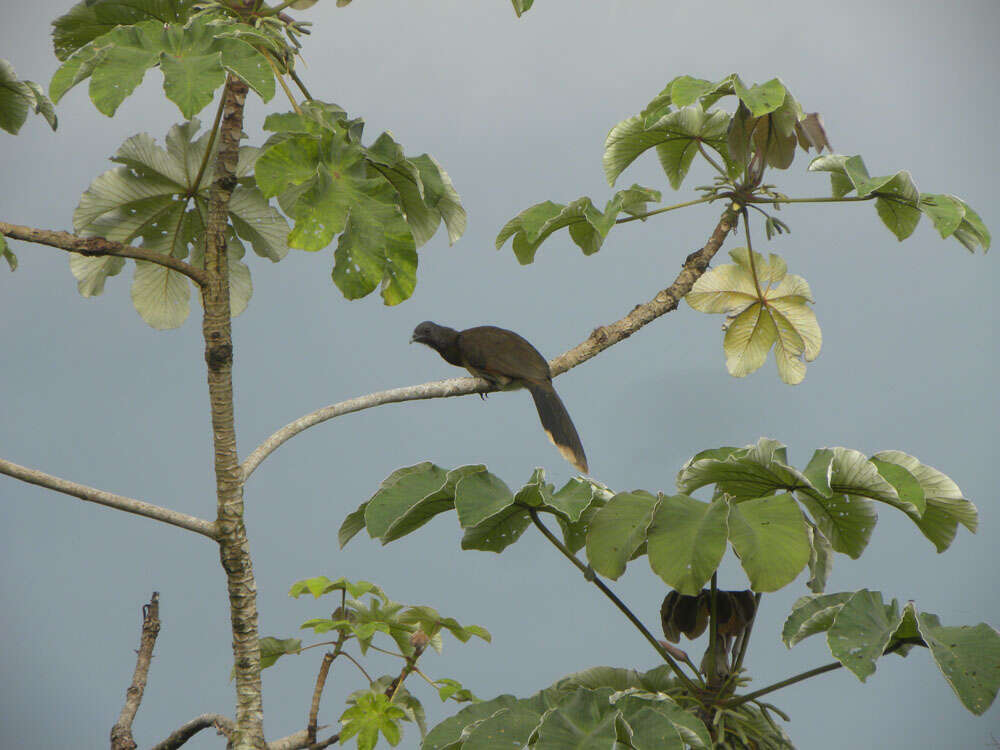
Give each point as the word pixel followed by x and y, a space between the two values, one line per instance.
pixel 618 530
pixel 448 732
pixel 862 630
pixel 321 585
pixel 507 728
pixel 7 254
pixel 820 560
pixel 271 649
pixel 760 98
pixel 498 531
pixel 90 19
pixel 131 51
pixel 686 541
pixel 968 657
pixel 153 197
pixel 897 205
pixel 972 232
pixel 811 615
pixel 585 720
pixel 905 484
pixel 401 491
pixel 588 227
pixel 17 97
pixel 573 498
pixel 371 714
pixel 945 507
pixel 353 523
pixel 192 66
pixel 676 136
pixel 479 496
pixel 847 521
pixel 522 6
pixel 753 471
pixel 685 90
pixel 945 211
pixel 244 61
pixel 770 537
pixel 160 295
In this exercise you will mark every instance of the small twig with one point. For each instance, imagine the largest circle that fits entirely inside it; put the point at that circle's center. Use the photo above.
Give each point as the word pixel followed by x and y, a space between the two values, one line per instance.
pixel 119 502
pixel 99 246
pixel 208 149
pixel 710 160
pixel 121 732
pixel 408 667
pixel 591 576
pixel 601 338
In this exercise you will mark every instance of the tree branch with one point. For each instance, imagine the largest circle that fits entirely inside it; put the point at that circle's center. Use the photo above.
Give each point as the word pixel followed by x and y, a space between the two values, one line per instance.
pixel 186 731
pixel 119 502
pixel 225 726
pixel 121 732
pixel 600 339
pixel 99 246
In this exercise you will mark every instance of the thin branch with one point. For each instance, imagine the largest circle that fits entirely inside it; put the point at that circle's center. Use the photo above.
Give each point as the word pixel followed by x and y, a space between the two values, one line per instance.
pixel 601 338
pixel 300 84
pixel 592 577
pixel 186 731
pixel 745 637
pixel 99 246
pixel 119 502
pixel 226 726
pixel 121 732
pixel 324 671
pixel 845 199
pixel 713 633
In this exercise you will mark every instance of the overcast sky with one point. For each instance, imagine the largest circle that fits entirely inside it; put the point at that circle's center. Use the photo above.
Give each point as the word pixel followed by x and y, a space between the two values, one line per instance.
pixel 516 110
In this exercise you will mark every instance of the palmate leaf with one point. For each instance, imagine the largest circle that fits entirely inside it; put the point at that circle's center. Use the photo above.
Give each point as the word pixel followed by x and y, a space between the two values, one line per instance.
pixel 371 715
pixel 676 135
pixel 90 19
pixel 900 204
pixel 152 197
pixel 686 540
pixel 770 537
pixel 381 203
pixel 778 316
pixel 193 57
pixel 588 227
pixel 17 97
pixel 618 530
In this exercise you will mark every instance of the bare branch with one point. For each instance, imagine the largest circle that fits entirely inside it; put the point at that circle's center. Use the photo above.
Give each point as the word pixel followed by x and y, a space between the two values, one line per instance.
pixel 98 246
pixel 119 502
pixel 121 732
pixel 600 339
pixel 186 731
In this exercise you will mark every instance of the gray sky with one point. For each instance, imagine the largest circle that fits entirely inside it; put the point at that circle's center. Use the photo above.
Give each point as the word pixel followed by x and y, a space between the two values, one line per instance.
pixel 516 111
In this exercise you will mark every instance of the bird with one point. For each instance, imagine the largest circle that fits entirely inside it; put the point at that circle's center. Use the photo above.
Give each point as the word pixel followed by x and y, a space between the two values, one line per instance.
pixel 509 361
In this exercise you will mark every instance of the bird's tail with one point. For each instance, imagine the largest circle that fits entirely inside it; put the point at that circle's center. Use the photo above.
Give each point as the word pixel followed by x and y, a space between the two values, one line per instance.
pixel 557 424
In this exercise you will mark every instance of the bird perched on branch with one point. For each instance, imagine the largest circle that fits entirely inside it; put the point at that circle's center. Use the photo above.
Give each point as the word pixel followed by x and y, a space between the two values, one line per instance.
pixel 508 361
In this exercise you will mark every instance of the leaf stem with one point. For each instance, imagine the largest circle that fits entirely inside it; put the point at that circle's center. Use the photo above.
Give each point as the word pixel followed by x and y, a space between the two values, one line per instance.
pixel 753 264
pixel 300 84
pixel 710 160
pixel 208 149
pixel 844 199
pixel 591 576
pixel 739 700
pixel 674 207
pixel 713 629
pixel 745 638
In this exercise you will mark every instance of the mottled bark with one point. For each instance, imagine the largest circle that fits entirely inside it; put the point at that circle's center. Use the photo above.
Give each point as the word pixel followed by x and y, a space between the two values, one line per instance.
pixel 234 548
pixel 121 732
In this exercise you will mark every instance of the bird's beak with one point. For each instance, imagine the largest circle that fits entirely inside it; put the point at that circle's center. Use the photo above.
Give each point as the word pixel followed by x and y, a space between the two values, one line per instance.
pixel 413 338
